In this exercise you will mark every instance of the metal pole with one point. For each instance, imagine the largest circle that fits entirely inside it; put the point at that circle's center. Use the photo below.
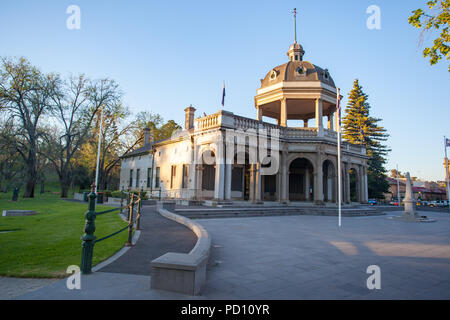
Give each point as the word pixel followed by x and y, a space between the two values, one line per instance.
pixel 88 237
pixel 121 200
pixel 98 151
pixel 339 158
pixel 138 214
pixel 130 222
pixel 446 172
pixel 398 189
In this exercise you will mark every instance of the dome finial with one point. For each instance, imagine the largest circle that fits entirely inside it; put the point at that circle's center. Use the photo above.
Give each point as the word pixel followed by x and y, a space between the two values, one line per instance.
pixel 296 51
pixel 295 24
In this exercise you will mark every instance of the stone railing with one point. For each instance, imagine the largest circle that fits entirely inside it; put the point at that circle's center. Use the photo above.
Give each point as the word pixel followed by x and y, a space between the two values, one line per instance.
pixel 227 119
pixel 293 133
pixel 208 122
pixel 330 134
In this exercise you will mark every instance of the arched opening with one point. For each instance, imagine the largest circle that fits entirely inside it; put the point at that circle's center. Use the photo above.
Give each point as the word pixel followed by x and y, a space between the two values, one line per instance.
pixel 353 185
pixel 269 183
pixel 301 182
pixel 240 177
pixel 208 174
pixel 329 181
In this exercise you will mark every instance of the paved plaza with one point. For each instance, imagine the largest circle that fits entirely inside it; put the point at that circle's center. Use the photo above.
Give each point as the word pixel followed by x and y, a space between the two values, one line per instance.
pixel 295 257
pixel 310 257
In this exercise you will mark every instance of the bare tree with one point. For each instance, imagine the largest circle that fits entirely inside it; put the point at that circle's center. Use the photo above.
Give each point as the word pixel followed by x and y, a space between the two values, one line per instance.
pixel 25 97
pixel 75 104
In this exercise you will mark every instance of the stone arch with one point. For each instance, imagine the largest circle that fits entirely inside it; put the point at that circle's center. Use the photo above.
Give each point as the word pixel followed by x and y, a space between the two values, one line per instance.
pixel 293 156
pixel 301 179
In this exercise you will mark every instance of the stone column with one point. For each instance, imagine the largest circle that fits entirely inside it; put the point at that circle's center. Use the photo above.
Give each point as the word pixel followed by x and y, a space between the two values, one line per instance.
pixel 307 186
pixel 366 187
pixel 259 113
pixel 228 168
pixel 347 183
pixel 284 178
pixel 318 182
pixel 257 183
pixel 219 181
pixel 198 182
pixel 283 112
pixel 319 117
pixel 330 121
pixel 251 196
pixel 361 185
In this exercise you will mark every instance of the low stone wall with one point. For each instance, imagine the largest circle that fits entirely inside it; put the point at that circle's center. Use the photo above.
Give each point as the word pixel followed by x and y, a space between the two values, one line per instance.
pixel 181 272
pixel 18 213
pixel 115 201
pixel 78 196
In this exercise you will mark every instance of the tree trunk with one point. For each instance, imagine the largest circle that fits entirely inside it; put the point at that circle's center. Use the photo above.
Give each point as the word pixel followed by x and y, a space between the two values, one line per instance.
pixel 65 185
pixel 32 177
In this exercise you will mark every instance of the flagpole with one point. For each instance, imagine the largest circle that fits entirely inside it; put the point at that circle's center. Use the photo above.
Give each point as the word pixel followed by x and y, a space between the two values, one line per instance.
pixel 398 189
pixel 98 151
pixel 446 172
pixel 339 155
pixel 223 94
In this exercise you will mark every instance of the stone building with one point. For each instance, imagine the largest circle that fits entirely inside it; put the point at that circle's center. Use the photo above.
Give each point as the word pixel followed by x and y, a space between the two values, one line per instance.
pixel 224 157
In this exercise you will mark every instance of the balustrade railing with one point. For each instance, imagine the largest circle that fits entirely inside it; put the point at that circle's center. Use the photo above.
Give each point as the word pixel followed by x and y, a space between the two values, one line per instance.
pixel 228 119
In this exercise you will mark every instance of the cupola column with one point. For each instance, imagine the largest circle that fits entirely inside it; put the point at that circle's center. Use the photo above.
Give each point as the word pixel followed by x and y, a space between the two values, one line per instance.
pixel 330 121
pixel 319 116
pixel 283 113
pixel 259 114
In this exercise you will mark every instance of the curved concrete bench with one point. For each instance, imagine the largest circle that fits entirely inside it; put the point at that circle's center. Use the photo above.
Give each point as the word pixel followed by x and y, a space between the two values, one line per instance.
pixel 182 272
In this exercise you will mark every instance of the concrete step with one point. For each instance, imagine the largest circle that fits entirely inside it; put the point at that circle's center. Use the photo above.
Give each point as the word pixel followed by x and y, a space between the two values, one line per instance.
pixel 254 212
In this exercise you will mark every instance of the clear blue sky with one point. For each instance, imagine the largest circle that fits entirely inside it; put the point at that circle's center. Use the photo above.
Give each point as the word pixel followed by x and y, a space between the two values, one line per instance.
pixel 169 54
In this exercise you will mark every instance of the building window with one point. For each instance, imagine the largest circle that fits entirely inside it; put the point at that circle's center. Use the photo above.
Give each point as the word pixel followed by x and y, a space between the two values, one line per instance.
pixel 149 177
pixel 273 75
pixel 300 70
pixel 131 178
pixel 185 176
pixel 173 175
pixel 157 177
pixel 138 172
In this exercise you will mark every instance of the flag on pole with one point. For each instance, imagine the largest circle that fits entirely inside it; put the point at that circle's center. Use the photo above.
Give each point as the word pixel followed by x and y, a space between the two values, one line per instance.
pixel 338 108
pixel 223 95
pixel 447 142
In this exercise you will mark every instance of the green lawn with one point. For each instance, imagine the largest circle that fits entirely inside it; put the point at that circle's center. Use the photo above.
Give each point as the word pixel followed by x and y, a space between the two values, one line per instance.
pixel 44 245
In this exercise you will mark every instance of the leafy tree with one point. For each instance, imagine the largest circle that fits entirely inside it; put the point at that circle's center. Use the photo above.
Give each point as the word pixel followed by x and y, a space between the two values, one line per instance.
pixel 361 128
pixel 158 129
pixel 393 174
pixel 437 20
pixel 11 163
pixel 25 96
pixel 75 103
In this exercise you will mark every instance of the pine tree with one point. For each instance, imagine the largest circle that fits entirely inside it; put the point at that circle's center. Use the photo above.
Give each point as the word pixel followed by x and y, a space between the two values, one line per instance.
pixel 360 128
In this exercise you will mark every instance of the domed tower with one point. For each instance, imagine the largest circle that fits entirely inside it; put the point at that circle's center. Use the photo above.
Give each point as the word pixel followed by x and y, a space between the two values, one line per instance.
pixel 297 90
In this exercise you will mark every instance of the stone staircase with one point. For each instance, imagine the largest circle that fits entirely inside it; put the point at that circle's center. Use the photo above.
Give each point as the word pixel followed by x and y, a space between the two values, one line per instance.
pixel 257 211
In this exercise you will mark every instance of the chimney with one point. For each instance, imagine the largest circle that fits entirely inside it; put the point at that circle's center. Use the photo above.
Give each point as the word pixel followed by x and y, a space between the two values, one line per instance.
pixel 189 117
pixel 146 136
